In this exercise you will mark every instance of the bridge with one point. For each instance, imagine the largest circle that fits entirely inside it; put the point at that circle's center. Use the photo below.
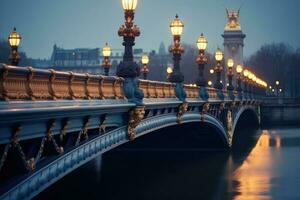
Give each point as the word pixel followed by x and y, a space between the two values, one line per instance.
pixel 53 122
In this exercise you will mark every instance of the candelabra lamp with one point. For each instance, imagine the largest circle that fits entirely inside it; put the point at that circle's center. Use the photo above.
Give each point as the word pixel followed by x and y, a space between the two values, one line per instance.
pixel 106 64
pixel 14 40
pixel 128 69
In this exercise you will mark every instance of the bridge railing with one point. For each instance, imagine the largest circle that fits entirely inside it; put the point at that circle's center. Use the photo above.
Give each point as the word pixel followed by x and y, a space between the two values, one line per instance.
pixel 27 83
pixel 156 89
pixel 19 83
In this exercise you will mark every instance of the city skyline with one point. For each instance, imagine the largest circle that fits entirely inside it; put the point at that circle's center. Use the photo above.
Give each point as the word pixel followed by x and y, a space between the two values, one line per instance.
pixel 81 24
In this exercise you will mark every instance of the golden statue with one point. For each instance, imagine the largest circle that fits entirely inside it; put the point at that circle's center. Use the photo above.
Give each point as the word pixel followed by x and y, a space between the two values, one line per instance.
pixel 233 20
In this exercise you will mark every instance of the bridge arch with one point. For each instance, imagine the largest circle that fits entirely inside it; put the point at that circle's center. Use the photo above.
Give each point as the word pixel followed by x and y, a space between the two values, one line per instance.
pixel 247 111
pixel 44 177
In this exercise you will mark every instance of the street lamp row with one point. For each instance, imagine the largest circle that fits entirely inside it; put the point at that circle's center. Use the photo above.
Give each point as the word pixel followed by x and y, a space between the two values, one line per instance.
pixel 129 69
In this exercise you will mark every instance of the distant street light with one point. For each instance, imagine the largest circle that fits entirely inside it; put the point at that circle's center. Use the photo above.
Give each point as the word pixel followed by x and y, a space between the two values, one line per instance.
pixel 239 70
pixel 106 52
pixel 176 30
pixel 230 64
pixel 14 42
pixel 169 72
pixel 209 83
pixel 218 69
pixel 145 69
pixel 211 71
pixel 201 60
pixel 277 87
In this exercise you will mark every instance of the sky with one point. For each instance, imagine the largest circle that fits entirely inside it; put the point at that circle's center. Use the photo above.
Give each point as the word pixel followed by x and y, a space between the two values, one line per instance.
pixel 91 23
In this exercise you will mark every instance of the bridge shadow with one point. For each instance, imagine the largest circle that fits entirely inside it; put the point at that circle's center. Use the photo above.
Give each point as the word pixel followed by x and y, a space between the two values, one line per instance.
pixel 171 163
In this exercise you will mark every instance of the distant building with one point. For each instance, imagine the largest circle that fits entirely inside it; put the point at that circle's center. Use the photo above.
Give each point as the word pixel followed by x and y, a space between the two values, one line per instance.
pixel 85 60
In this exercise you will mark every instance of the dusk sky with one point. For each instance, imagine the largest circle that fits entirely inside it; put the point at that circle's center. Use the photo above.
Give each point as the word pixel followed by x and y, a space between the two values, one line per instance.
pixel 90 23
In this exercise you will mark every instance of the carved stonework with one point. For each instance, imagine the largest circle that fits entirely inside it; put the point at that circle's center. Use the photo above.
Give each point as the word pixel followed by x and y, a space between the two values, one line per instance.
pixel 233 20
pixel 181 110
pixel 229 127
pixel 135 117
pixel 205 109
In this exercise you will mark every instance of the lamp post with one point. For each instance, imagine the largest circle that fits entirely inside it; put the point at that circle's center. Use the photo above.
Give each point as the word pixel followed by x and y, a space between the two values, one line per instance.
pixel 106 52
pixel 145 69
pixel 218 69
pixel 14 42
pixel 209 83
pixel 277 83
pixel 176 30
pixel 128 69
pixel 246 86
pixel 230 64
pixel 201 60
pixel 169 72
pixel 239 70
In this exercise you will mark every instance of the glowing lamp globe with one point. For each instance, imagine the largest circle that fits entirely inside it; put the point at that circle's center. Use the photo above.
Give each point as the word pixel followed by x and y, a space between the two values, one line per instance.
pixel 239 69
pixel 106 51
pixel 14 38
pixel 129 5
pixel 246 73
pixel 202 43
pixel 145 59
pixel 176 27
pixel 169 70
pixel 209 83
pixel 219 55
pixel 230 63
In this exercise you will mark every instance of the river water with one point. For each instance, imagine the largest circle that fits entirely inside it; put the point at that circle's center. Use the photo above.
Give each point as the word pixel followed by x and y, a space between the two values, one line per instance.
pixel 265 167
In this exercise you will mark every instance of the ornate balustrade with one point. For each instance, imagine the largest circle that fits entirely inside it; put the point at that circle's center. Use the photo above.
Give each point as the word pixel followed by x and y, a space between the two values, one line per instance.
pixel 20 83
pixel 191 91
pixel 27 83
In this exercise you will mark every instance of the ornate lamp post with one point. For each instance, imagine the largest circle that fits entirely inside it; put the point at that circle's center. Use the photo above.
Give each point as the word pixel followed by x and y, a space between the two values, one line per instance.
pixel 239 70
pixel 14 42
pixel 106 52
pixel 218 69
pixel 209 83
pixel 277 83
pixel 230 64
pixel 246 86
pixel 201 60
pixel 144 69
pixel 177 77
pixel 129 69
pixel 176 29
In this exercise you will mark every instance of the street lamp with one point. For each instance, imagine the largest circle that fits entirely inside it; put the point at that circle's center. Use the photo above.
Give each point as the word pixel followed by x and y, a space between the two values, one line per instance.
pixel 230 64
pixel 239 70
pixel 14 42
pixel 144 69
pixel 169 72
pixel 209 83
pixel 106 52
pixel 128 69
pixel 211 71
pixel 218 69
pixel 201 60
pixel 176 30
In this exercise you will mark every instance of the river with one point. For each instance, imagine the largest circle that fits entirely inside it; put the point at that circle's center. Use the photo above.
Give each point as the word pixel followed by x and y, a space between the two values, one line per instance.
pixel 267 167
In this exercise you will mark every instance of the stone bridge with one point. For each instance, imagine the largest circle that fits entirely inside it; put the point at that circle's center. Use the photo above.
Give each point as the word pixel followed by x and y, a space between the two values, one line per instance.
pixel 53 122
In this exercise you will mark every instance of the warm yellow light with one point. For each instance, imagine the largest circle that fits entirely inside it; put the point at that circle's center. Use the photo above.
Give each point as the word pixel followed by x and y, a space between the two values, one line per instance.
pixel 277 82
pixel 239 69
pixel 230 63
pixel 209 83
pixel 106 51
pixel 270 87
pixel 129 5
pixel 14 38
pixel 246 73
pixel 202 43
pixel 250 75
pixel 219 55
pixel 211 71
pixel 176 27
pixel 194 85
pixel 145 59
pixel 169 70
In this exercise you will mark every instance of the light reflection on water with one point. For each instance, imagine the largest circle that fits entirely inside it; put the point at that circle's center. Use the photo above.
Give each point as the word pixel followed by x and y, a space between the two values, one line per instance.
pixel 270 170
pixel 262 175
